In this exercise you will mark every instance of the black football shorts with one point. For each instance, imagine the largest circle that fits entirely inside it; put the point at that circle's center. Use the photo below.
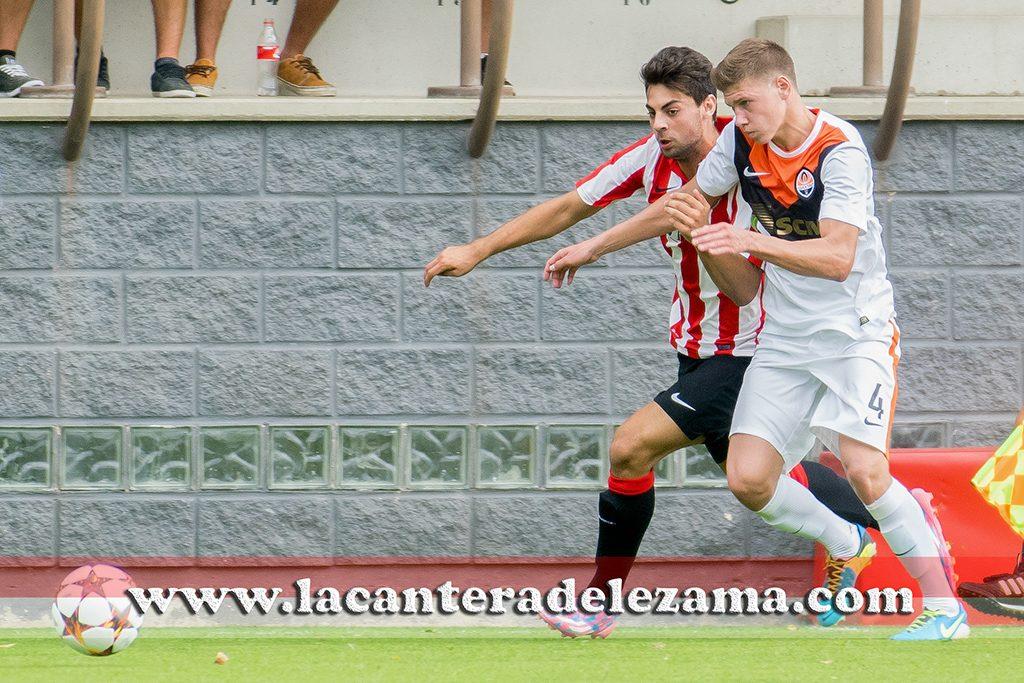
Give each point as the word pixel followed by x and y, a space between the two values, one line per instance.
pixel 703 398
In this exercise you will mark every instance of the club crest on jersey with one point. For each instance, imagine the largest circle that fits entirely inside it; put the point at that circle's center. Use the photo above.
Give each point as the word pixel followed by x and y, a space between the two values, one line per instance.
pixel 804 184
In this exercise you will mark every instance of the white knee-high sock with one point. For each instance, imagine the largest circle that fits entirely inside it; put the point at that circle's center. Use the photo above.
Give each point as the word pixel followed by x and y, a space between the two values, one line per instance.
pixel 902 523
pixel 795 509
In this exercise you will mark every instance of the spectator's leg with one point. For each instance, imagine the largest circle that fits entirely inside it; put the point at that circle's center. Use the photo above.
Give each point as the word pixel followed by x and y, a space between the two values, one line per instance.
pixel 296 74
pixel 13 77
pixel 210 16
pixel 169 17
pixel 168 79
pixel 307 19
pixel 202 74
pixel 13 15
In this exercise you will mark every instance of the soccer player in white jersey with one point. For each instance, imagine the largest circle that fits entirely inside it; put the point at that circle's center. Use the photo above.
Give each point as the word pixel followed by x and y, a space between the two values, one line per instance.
pixel 713 337
pixel 826 358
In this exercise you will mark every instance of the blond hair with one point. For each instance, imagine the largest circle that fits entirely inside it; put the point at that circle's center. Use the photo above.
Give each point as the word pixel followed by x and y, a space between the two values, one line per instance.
pixel 753 58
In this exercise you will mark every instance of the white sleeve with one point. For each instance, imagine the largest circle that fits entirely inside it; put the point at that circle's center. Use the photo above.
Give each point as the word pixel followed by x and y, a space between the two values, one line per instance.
pixel 716 174
pixel 846 175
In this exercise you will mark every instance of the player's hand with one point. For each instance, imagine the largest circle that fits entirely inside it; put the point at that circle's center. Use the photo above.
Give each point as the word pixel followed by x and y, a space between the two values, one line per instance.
pixel 720 238
pixel 563 265
pixel 453 261
pixel 688 212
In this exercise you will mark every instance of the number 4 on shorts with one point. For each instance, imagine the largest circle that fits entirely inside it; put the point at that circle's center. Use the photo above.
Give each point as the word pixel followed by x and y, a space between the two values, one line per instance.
pixel 875 403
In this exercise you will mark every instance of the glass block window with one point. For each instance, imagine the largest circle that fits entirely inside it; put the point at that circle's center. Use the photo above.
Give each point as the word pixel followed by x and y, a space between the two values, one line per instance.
pixel 665 470
pixel 368 456
pixel 437 456
pixel 506 456
pixel 162 457
pixel 575 455
pixel 230 457
pixel 668 471
pixel 92 457
pixel 918 436
pixel 299 456
pixel 701 469
pixel 25 458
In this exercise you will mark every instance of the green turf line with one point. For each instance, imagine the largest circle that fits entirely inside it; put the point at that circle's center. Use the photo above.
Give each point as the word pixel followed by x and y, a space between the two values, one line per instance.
pixel 459 654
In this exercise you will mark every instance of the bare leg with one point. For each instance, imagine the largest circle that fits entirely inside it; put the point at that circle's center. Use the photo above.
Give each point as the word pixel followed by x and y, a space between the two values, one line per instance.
pixel 13 15
pixel 643 440
pixel 210 15
pixel 754 468
pixel 309 16
pixel 867 469
pixel 169 17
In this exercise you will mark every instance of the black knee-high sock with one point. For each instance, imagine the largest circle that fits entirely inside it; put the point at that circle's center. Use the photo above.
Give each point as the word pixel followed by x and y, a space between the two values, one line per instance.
pixel 624 511
pixel 834 492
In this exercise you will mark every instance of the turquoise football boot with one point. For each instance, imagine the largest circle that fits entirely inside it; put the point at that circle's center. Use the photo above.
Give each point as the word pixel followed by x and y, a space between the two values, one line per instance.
pixel 840 574
pixel 934 625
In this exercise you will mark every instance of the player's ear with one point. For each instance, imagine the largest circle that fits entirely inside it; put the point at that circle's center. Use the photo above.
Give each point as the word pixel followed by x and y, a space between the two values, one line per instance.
pixel 709 107
pixel 784 86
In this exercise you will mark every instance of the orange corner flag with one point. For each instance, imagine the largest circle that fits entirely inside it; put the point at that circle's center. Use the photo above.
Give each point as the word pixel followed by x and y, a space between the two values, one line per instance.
pixel 1000 481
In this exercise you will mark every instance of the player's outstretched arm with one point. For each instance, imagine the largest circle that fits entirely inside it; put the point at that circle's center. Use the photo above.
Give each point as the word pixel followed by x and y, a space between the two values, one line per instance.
pixel 737 277
pixel 831 257
pixel 651 222
pixel 540 222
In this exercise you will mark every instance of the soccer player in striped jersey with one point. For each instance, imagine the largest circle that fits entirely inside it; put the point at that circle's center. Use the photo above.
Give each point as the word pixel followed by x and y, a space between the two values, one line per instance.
pixel 826 357
pixel 713 337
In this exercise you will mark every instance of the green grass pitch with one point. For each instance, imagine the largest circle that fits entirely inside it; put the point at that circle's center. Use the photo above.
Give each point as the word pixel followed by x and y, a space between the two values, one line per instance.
pixel 474 654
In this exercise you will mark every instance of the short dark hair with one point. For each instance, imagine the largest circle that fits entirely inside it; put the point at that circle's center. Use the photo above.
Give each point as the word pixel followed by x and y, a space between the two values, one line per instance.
pixel 753 58
pixel 682 69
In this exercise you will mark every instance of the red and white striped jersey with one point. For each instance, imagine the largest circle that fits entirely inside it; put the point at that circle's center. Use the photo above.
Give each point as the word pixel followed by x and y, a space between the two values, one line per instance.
pixel 703 321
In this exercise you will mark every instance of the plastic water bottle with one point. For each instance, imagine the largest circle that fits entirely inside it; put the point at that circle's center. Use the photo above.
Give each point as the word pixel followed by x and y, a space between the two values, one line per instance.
pixel 268 54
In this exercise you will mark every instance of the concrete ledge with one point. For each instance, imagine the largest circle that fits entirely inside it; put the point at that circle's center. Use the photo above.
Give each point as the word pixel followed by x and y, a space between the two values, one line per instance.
pixel 431 109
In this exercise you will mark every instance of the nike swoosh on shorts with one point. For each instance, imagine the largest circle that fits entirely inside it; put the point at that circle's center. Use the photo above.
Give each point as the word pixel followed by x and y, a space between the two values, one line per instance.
pixel 675 399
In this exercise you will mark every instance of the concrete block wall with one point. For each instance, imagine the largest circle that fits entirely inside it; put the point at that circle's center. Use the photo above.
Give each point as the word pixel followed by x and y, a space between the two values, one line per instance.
pixel 213 274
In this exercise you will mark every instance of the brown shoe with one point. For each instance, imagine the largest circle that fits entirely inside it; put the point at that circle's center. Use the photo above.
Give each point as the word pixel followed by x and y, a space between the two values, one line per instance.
pixel 297 76
pixel 1002 594
pixel 202 76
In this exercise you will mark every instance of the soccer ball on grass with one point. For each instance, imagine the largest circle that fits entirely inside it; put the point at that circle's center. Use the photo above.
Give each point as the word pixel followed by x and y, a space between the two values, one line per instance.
pixel 93 613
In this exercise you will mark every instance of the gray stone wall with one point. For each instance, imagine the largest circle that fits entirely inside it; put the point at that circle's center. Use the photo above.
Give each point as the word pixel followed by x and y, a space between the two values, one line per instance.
pixel 258 288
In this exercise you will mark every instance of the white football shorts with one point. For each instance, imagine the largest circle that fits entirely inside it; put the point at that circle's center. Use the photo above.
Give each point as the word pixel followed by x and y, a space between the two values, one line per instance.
pixel 801 388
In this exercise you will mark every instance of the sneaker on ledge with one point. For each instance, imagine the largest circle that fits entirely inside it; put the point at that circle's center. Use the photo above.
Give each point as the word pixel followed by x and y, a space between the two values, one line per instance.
pixel 297 76
pixel 168 80
pixel 13 77
pixel 202 76
pixel 102 75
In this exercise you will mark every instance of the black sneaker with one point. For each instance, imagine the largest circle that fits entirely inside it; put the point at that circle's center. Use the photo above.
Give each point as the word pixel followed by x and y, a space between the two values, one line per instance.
pixel 169 80
pixel 102 76
pixel 13 77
